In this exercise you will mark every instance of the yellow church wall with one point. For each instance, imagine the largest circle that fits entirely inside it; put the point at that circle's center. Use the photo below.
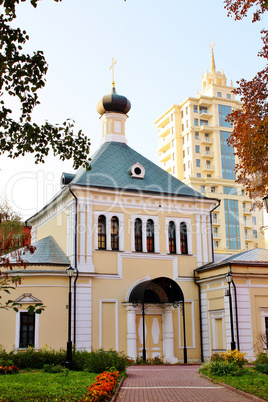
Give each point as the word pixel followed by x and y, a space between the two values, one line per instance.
pixel 263 281
pixel 113 294
pixel 55 227
pixel 250 269
pixel 108 325
pixel 108 293
pixel 258 299
pixel 216 303
pixel 105 262
pixel 7 327
pixel 213 273
pixel 215 297
pixel 192 329
pixel 213 285
pixel 139 268
pixel 52 321
pixel 186 265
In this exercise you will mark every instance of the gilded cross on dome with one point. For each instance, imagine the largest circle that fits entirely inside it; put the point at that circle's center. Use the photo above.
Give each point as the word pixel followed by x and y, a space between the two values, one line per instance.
pixel 112 68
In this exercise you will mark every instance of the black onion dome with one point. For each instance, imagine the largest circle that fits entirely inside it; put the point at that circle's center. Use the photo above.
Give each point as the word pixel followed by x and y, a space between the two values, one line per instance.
pixel 113 103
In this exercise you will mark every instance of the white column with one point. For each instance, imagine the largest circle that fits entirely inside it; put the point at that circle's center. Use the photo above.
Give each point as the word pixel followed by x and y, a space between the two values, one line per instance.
pixel 166 233
pixel 178 236
pixel 144 236
pixel 205 239
pixel 189 238
pixel 198 241
pixel 71 232
pixel 131 333
pixel 89 237
pixel 108 232
pixel 121 233
pixel 82 234
pixel 156 237
pixel 168 339
pixel 132 229
pixel 84 315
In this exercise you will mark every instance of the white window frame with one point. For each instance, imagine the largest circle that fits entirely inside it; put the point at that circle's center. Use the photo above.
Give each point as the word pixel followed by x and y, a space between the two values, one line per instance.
pixel 108 216
pixel 219 314
pixel 177 222
pixel 264 314
pixel 17 331
pixel 144 219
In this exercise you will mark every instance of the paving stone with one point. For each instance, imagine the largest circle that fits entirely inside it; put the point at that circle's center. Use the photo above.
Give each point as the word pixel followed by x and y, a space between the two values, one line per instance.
pixel 170 384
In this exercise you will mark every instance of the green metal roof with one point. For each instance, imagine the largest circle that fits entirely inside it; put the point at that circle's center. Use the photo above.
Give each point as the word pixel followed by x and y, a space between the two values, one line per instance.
pixel 255 256
pixel 47 252
pixel 110 168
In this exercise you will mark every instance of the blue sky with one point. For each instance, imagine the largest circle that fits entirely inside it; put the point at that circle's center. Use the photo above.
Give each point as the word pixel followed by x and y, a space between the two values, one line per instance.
pixel 161 48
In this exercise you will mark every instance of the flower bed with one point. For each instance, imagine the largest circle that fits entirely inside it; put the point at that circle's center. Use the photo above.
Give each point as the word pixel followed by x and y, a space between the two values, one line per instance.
pixel 103 386
pixel 8 369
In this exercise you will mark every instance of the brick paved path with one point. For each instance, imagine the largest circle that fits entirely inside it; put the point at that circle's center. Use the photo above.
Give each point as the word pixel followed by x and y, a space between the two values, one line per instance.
pixel 170 384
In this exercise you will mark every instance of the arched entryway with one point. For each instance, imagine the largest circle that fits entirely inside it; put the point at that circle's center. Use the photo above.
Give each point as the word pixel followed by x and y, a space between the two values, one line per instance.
pixel 159 292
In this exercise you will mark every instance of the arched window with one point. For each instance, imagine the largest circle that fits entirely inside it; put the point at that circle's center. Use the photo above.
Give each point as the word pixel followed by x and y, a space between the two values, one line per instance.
pixel 183 236
pixel 150 235
pixel 172 237
pixel 101 232
pixel 114 233
pixel 138 234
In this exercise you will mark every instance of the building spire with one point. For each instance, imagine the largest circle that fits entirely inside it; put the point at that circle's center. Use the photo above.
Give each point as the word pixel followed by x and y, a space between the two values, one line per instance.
pixel 213 67
pixel 112 68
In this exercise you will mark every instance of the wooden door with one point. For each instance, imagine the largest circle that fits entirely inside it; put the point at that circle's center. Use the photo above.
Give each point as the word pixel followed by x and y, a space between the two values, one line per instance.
pixel 153 335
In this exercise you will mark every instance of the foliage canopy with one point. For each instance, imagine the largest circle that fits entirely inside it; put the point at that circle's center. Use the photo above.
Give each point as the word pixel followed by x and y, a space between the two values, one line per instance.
pixel 250 133
pixel 21 77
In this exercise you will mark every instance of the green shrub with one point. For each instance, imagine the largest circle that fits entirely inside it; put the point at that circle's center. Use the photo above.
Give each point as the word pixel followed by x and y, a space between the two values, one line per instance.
pixel 101 360
pixel 216 357
pixel 48 368
pixel 235 356
pixel 222 368
pixel 30 358
pixel 156 361
pixel 80 360
pixel 262 368
pixel 139 360
pixel 37 359
pixel 262 358
pixel 94 362
pixel 6 362
pixel 3 353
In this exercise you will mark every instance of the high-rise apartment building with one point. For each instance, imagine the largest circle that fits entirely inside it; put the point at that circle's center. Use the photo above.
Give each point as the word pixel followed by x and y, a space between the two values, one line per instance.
pixel 193 147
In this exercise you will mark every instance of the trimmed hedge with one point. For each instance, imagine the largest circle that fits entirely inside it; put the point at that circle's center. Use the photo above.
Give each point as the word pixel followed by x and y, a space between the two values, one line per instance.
pixel 94 362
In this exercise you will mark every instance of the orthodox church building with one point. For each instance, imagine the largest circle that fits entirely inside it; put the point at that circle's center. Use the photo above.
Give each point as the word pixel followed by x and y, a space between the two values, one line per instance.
pixel 140 243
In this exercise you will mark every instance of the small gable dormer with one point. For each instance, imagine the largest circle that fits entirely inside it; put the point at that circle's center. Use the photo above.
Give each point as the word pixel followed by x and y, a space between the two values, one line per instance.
pixel 137 171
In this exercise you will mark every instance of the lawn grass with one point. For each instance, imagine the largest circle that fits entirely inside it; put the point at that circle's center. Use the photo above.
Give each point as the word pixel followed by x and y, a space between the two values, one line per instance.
pixel 252 382
pixel 40 386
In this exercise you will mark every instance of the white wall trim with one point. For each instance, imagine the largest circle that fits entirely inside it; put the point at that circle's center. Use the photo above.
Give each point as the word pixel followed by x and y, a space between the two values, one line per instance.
pixel 217 314
pixel 115 301
pixel 148 278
